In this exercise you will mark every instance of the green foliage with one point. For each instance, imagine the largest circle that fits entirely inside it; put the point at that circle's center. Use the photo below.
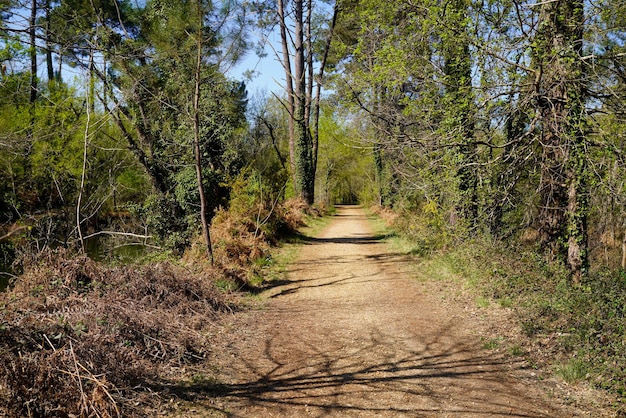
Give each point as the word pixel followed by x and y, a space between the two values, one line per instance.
pixel 266 147
pixel 137 59
pixel 426 226
pixel 573 371
pixel 186 189
pixel 256 198
pixel 130 185
pixel 165 218
pixel 7 256
pixel 345 168
pixel 43 170
pixel 492 344
pixel 585 324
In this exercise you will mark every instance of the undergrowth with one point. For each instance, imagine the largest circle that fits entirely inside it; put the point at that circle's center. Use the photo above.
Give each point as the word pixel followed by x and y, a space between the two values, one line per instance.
pixel 245 238
pixel 82 338
pixel 579 331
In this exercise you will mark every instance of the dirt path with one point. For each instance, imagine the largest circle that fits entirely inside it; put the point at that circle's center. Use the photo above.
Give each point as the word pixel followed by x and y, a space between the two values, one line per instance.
pixel 349 334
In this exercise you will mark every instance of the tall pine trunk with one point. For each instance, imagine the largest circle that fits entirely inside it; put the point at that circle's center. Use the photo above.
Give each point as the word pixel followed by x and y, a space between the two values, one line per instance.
pixel 300 87
pixel 33 51
pixel 196 138
pixel 49 64
pixel 286 62
pixel 305 178
pixel 318 88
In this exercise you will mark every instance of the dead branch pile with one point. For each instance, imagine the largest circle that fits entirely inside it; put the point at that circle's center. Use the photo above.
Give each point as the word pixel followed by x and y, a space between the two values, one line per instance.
pixel 81 339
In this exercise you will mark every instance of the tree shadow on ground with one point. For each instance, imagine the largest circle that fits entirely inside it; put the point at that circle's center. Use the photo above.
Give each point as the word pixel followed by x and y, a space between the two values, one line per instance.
pixel 311 366
pixel 459 380
pixel 300 238
pixel 301 268
pixel 356 238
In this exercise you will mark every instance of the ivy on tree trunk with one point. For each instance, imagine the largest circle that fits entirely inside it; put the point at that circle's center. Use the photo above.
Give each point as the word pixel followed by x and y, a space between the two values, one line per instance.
pixel 460 102
pixel 303 108
pixel 560 98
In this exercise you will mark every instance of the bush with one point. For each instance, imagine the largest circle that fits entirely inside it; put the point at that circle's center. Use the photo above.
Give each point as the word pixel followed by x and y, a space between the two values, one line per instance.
pixel 257 218
pixel 241 237
pixel 166 219
pixel 427 228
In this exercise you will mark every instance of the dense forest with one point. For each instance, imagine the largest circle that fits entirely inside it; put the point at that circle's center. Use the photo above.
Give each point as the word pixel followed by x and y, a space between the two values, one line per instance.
pixel 493 123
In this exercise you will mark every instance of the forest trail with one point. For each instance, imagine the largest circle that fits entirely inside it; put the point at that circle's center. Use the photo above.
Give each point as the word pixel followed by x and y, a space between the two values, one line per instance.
pixel 350 335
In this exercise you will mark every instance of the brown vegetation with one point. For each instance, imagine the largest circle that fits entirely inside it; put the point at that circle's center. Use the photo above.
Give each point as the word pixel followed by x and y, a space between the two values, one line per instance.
pixel 84 339
pixel 242 236
pixel 80 338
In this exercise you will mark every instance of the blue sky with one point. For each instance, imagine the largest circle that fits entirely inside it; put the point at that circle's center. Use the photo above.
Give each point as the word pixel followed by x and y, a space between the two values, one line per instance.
pixel 268 73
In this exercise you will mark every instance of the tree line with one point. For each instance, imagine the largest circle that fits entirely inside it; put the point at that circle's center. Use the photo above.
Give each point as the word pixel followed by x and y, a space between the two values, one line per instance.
pixel 494 117
pixel 499 116
pixel 134 111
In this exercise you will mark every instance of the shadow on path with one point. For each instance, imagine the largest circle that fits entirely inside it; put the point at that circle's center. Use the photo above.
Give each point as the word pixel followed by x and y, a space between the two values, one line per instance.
pixel 348 334
pixel 402 382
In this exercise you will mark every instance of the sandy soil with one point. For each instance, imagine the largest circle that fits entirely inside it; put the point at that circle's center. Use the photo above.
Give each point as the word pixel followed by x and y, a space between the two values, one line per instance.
pixel 350 334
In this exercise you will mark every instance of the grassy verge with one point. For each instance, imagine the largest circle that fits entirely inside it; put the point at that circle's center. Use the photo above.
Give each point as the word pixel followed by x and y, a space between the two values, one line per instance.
pixel 273 267
pixel 576 331
pixel 381 226
pixel 579 331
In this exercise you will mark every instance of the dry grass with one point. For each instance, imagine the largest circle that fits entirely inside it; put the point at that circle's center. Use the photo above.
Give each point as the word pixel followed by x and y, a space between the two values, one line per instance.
pixel 83 339
pixel 386 214
pixel 241 237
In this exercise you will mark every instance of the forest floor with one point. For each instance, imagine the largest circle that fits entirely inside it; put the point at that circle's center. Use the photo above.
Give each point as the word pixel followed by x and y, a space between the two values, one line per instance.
pixel 352 332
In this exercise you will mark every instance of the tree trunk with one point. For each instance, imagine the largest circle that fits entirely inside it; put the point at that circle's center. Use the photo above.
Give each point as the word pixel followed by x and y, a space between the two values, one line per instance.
pixel 49 64
pixel 460 102
pixel 318 88
pixel 33 51
pixel 196 141
pixel 289 90
pixel 92 82
pixel 83 176
pixel 377 150
pixel 303 109
pixel 302 143
pixel 560 97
